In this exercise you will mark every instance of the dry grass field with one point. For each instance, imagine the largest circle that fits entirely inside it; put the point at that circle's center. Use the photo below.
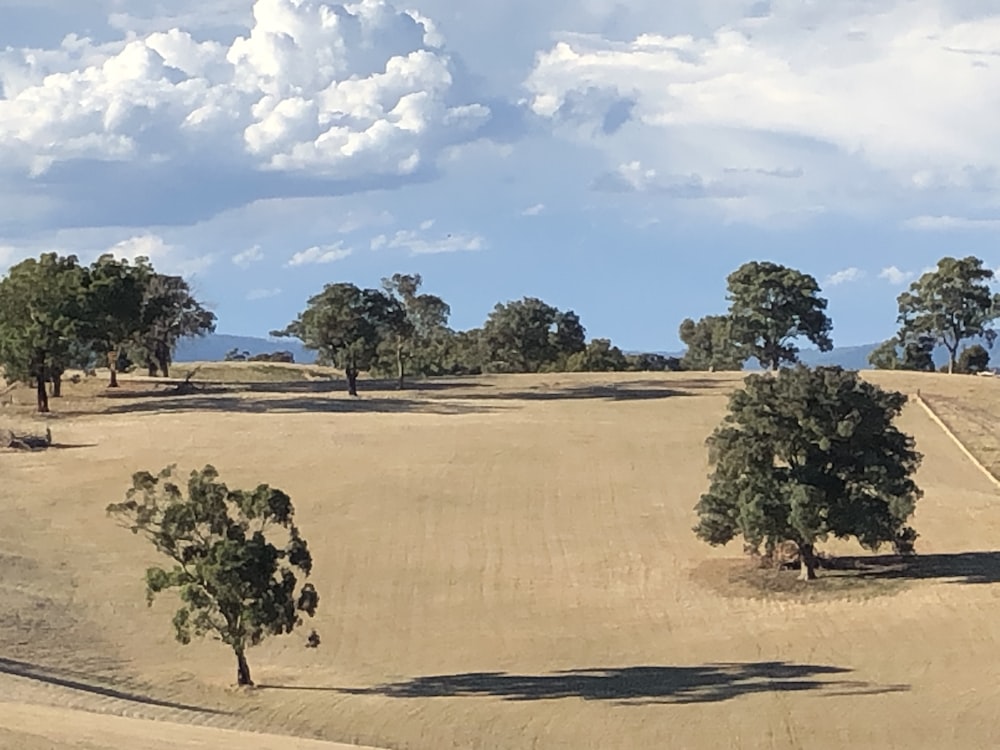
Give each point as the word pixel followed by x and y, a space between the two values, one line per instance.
pixel 502 562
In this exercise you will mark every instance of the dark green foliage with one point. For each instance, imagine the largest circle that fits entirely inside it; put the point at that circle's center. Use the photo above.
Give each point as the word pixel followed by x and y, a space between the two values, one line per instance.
pixel 905 352
pixel 951 304
pixel 973 360
pixel 116 296
pixel 43 319
pixel 651 362
pixel 770 305
pixel 347 325
pixel 805 454
pixel 598 356
pixel 425 317
pixel 169 313
pixel 529 335
pixel 235 584
pixel 710 345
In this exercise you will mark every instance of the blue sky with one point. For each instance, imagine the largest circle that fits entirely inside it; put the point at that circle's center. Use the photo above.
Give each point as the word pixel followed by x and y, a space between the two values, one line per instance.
pixel 616 158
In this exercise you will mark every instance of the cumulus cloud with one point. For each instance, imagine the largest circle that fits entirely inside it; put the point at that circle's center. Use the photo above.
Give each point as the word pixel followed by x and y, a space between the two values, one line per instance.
pixel 895 276
pixel 344 91
pixel 418 242
pixel 166 258
pixel 255 295
pixel 944 223
pixel 248 257
pixel 845 276
pixel 881 90
pixel 534 210
pixel 319 254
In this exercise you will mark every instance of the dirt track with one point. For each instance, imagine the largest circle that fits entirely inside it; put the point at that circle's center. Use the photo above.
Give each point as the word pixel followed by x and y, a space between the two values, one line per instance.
pixel 502 566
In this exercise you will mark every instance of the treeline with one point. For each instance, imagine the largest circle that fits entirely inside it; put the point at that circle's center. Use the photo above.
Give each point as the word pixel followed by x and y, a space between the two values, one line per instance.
pixel 56 314
pixel 771 306
pixel 397 330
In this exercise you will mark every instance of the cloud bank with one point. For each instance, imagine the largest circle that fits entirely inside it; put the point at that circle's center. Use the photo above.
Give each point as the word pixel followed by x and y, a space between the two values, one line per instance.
pixel 340 91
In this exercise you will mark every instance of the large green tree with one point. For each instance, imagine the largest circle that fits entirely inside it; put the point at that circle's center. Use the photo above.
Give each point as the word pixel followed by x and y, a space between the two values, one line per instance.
pixel 170 313
pixel 951 304
pixel 236 581
pixel 529 335
pixel 347 326
pixel 710 344
pixel 808 454
pixel 425 317
pixel 772 305
pixel 43 317
pixel 116 297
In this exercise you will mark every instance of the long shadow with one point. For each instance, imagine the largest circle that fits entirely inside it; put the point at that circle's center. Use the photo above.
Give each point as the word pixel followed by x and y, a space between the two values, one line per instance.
pixel 962 567
pixel 622 392
pixel 41 674
pixel 709 683
pixel 236 404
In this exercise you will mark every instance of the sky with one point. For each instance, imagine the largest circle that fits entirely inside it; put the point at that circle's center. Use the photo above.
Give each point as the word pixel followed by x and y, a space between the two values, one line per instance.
pixel 614 158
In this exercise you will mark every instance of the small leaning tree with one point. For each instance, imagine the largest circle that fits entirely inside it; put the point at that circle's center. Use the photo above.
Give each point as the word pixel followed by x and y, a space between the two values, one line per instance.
pixel 234 581
pixel 807 454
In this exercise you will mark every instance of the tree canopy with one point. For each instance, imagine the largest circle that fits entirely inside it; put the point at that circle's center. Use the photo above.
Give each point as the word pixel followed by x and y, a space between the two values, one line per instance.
pixel 806 454
pixel 235 583
pixel 43 318
pixel 529 335
pixel 116 297
pixel 904 352
pixel 425 317
pixel 770 306
pixel 347 325
pixel 170 313
pixel 710 344
pixel 951 304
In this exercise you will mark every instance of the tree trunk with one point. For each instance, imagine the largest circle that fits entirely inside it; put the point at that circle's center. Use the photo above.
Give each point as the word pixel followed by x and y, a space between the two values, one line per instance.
pixel 151 368
pixel 113 367
pixel 399 363
pixel 352 380
pixel 807 562
pixel 57 385
pixel 43 396
pixel 242 669
pixel 951 360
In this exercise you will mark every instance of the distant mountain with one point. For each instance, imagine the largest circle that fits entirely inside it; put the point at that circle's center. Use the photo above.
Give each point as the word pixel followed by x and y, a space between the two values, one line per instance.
pixel 213 348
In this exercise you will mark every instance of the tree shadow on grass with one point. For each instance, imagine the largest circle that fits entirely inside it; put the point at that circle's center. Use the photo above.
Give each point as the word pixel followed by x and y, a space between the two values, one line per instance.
pixel 244 405
pixel 709 683
pixel 51 677
pixel 627 391
pixel 962 567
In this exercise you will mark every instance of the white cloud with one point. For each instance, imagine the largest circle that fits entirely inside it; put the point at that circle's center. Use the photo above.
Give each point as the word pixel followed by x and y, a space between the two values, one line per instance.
pixel 534 210
pixel 345 91
pixel 845 276
pixel 416 241
pixel 319 254
pixel 248 257
pixel 165 258
pixel 425 225
pixel 259 294
pixel 811 106
pixel 895 276
pixel 944 223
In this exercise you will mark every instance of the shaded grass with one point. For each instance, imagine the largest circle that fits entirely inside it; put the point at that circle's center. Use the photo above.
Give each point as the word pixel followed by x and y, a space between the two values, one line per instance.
pixel 746 579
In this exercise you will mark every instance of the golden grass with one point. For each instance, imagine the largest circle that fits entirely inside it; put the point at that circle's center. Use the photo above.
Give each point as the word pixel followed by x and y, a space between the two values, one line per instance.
pixel 503 562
